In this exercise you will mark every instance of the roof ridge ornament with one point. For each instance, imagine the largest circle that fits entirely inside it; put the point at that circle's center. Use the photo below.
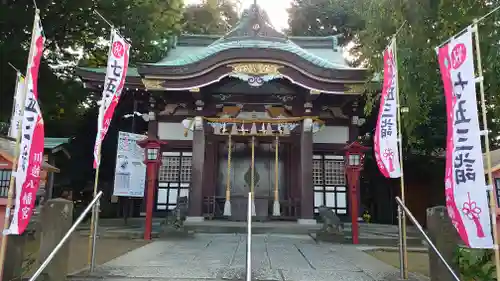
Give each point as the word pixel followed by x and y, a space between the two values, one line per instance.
pixel 254 22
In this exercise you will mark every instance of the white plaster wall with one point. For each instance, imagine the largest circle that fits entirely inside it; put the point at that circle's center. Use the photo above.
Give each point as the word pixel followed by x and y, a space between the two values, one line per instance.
pixel 332 134
pixel 172 131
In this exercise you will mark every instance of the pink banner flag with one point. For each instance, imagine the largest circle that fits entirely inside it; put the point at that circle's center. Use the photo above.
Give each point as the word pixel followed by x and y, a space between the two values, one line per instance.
pixel 115 80
pixel 386 136
pixel 465 186
pixel 32 140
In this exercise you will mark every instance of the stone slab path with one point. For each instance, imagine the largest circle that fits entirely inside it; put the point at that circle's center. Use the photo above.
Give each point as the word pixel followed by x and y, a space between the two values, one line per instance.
pixel 222 257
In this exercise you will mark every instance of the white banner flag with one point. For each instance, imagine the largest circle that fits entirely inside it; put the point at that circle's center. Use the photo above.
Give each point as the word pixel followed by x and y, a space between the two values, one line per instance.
pixel 386 136
pixel 15 120
pixel 465 186
pixel 113 85
pixel 30 160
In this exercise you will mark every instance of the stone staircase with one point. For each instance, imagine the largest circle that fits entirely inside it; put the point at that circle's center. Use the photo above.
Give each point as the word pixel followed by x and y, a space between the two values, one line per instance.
pixel 370 234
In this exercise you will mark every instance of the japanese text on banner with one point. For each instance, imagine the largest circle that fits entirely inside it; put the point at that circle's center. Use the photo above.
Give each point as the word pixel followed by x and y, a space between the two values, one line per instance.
pixel 130 170
pixel 465 186
pixel 15 121
pixel 30 160
pixel 386 136
pixel 115 80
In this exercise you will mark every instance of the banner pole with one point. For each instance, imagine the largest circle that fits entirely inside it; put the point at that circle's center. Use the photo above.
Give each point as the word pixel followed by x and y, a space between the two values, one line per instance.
pixel 492 199
pixel 402 181
pixel 94 209
pixel 400 246
pixel 99 139
pixel 10 194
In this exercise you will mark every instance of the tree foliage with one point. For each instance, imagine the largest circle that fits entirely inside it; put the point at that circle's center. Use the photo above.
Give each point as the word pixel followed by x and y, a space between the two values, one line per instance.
pixel 210 17
pixel 323 18
pixel 368 26
pixel 75 34
pixel 428 24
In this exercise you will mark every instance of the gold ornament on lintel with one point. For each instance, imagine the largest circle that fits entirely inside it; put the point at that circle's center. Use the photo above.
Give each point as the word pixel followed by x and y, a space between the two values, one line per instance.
pixel 153 84
pixel 355 88
pixel 256 69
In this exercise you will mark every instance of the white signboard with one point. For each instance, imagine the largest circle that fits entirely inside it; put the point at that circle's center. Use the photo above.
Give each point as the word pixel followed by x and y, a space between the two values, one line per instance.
pixel 130 170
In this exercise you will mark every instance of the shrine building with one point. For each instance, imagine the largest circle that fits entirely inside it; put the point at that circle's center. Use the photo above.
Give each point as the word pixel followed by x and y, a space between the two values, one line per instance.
pixel 251 110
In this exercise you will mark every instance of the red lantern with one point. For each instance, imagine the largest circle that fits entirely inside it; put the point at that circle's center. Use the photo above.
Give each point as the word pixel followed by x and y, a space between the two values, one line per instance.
pixel 354 160
pixel 152 158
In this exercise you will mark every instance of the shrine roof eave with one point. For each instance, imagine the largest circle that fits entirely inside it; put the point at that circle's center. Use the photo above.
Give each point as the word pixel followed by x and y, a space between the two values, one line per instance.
pixel 224 71
pixel 313 65
pixel 95 76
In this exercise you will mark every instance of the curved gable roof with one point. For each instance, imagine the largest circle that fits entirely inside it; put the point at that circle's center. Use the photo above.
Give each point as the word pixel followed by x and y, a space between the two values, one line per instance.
pixel 213 49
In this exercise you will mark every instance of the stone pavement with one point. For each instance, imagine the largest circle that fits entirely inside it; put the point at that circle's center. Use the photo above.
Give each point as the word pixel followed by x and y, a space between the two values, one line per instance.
pixel 223 257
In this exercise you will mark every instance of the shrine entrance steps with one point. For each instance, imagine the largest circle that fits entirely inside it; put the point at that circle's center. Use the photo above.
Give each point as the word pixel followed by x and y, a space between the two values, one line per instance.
pixel 217 257
pixel 370 234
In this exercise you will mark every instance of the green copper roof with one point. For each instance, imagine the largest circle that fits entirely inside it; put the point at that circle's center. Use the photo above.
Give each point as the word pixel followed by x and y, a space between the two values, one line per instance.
pixel 51 143
pixel 215 48
pixel 255 31
pixel 131 72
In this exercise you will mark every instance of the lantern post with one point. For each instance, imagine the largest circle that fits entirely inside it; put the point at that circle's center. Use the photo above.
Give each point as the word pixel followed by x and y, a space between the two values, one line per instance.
pixel 152 159
pixel 354 159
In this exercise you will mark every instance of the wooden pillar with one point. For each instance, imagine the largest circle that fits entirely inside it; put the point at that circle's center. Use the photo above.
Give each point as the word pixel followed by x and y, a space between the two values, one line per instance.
pixel 152 134
pixel 295 168
pixel 198 163
pixel 306 181
pixel 210 168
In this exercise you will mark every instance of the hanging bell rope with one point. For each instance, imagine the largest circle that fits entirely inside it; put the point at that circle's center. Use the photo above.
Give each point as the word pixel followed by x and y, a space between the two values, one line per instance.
pixel 228 180
pixel 276 204
pixel 227 204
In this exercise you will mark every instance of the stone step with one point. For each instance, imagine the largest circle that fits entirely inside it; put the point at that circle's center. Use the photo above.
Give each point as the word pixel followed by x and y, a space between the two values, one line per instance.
pixel 112 278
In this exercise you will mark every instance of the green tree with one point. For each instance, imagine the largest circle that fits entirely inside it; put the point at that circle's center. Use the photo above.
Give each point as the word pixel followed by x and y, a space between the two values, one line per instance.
pixel 324 18
pixel 368 25
pixel 429 23
pixel 210 17
pixel 75 35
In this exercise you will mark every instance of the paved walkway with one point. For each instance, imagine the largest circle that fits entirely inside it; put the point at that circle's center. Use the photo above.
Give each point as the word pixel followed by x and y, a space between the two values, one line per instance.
pixel 222 257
